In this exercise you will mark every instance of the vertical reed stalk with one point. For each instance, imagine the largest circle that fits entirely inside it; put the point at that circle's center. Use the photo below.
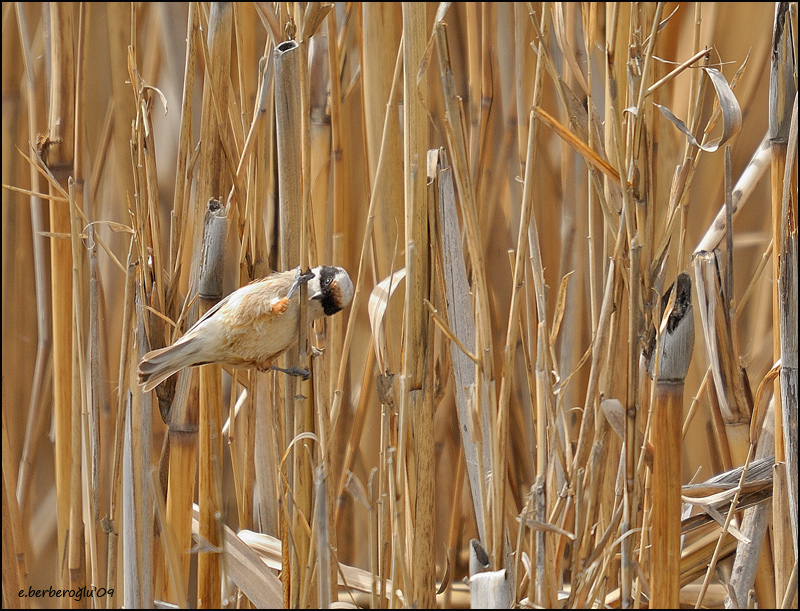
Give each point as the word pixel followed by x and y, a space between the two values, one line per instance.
pixel 782 92
pixel 484 375
pixel 57 153
pixel 290 60
pixel 416 409
pixel 209 489
pixel 33 430
pixel 380 43
pixel 788 325
pixel 102 120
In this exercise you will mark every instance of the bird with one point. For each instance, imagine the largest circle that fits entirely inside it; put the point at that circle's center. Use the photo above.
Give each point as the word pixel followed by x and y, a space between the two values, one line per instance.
pixel 253 325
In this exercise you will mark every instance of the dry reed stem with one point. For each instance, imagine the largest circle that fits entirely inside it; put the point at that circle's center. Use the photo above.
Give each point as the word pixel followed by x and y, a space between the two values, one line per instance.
pixel 536 447
pixel 754 527
pixel 209 286
pixel 416 453
pixel 289 58
pixel 171 552
pixel 484 376
pixel 665 552
pixel 35 420
pixel 137 536
pixel 782 91
pixel 788 327
pixel 210 416
pixel 57 153
pixel 380 42
pixel 14 564
pixel 669 364
pixel 330 451
pixel 460 313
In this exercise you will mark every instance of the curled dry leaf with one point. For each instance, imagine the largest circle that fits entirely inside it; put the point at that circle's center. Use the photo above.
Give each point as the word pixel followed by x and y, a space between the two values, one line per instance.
pixel 731 113
pixel 561 305
pixel 378 303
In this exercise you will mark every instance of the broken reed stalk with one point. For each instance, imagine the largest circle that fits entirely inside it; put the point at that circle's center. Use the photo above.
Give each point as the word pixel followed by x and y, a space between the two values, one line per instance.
pixel 731 404
pixel 745 185
pixel 290 59
pixel 488 589
pixel 669 366
pixel 215 233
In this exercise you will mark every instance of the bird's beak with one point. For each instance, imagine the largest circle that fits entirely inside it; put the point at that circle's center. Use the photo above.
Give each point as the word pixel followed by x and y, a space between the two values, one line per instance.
pixel 317 295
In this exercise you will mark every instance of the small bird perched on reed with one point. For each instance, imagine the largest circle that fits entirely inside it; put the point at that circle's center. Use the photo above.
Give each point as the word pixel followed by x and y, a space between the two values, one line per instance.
pixel 252 325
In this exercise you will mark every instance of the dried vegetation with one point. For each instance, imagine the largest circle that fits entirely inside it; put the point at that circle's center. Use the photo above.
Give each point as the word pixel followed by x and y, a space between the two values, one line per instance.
pixel 513 187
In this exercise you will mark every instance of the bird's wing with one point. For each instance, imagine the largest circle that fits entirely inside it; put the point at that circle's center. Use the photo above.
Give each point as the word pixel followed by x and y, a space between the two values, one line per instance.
pixel 213 310
pixel 262 290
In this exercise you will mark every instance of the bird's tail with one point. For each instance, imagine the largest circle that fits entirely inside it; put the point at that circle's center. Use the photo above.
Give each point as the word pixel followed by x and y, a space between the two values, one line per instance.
pixel 158 365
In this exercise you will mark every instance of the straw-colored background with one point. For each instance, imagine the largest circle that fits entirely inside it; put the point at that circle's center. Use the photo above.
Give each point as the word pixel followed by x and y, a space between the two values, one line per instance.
pixel 120 73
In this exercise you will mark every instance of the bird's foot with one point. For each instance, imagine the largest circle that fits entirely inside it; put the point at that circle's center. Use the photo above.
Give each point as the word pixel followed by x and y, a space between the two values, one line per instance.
pixel 294 371
pixel 278 306
pixel 301 279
